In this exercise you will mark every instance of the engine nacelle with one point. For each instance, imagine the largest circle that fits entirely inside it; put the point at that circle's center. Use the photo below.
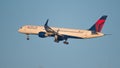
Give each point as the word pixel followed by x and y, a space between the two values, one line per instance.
pixel 42 34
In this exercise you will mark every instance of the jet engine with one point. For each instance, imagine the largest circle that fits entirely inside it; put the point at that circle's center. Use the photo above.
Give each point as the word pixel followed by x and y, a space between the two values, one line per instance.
pixel 42 34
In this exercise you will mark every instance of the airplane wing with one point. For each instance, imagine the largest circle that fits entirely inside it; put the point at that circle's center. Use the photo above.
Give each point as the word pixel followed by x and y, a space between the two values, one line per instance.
pixel 58 37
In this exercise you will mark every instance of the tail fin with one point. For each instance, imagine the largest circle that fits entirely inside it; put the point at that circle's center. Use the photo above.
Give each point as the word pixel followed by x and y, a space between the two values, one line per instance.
pixel 97 27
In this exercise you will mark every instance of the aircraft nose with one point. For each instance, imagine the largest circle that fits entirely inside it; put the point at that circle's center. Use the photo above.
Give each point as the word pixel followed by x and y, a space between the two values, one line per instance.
pixel 19 30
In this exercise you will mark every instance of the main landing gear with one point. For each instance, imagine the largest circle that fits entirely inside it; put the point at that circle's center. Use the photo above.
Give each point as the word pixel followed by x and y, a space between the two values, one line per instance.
pixel 56 41
pixel 65 42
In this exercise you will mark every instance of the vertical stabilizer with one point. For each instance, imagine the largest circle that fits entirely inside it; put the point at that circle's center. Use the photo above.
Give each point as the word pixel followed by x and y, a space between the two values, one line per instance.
pixel 97 27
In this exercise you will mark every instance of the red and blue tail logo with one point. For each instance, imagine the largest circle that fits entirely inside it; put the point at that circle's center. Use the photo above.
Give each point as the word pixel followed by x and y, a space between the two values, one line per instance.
pixel 97 27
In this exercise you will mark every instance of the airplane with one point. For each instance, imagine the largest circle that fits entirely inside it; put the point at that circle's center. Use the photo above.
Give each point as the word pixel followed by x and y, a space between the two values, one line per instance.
pixel 63 34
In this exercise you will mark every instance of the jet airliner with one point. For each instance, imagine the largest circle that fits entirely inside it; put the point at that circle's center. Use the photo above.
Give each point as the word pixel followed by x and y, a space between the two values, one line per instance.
pixel 63 34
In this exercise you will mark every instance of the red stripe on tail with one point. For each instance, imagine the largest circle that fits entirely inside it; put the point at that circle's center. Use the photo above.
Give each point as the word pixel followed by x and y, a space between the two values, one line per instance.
pixel 97 27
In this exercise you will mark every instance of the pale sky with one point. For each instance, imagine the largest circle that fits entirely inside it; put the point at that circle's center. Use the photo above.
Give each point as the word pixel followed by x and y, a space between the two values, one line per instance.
pixel 17 52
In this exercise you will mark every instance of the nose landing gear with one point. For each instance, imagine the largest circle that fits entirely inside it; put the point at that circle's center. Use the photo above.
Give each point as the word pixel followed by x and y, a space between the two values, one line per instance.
pixel 27 37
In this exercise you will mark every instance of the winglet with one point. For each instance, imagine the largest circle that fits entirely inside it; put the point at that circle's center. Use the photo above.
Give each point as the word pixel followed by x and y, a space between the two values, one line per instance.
pixel 47 28
pixel 46 22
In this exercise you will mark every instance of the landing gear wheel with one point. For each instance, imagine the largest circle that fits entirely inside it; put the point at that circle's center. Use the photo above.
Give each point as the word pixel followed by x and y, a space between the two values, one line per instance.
pixel 66 42
pixel 28 38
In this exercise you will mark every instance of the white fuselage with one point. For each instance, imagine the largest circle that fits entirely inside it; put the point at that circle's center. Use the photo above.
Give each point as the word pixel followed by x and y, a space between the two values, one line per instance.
pixel 30 29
